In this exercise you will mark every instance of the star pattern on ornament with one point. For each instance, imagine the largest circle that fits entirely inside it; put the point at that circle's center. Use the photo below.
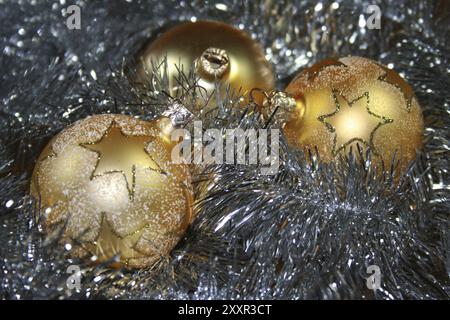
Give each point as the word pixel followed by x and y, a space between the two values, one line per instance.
pixel 393 78
pixel 350 120
pixel 109 243
pixel 118 152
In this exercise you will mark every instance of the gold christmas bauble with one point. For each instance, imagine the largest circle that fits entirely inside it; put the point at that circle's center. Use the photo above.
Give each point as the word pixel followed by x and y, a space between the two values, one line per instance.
pixel 217 51
pixel 110 180
pixel 344 102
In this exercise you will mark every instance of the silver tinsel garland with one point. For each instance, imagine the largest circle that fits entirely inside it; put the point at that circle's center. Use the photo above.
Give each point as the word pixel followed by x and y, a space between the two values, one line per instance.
pixel 309 231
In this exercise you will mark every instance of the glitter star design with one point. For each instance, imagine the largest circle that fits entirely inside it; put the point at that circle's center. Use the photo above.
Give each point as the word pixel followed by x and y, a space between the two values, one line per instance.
pixel 109 243
pixel 118 152
pixel 393 78
pixel 352 121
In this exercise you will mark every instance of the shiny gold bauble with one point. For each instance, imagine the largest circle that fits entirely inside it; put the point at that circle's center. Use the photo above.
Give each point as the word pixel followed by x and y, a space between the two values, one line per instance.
pixel 349 101
pixel 218 52
pixel 110 181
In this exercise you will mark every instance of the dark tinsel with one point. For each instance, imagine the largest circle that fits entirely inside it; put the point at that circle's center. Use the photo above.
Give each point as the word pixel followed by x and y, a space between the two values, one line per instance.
pixel 308 232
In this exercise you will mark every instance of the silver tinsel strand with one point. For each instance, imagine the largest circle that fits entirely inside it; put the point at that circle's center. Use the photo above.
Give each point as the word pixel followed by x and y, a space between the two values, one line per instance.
pixel 308 232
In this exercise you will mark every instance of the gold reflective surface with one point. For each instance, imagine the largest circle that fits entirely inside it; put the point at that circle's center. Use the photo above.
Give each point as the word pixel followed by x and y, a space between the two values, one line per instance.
pixel 350 101
pixel 111 180
pixel 189 42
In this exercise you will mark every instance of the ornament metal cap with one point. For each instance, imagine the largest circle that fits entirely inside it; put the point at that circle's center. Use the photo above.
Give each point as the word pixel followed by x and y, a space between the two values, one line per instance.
pixel 214 63
pixel 279 106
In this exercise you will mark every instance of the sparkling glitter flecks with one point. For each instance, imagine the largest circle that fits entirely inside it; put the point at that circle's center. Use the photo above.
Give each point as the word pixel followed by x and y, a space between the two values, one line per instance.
pixel 352 122
pixel 394 79
pixel 109 244
pixel 315 70
pixel 114 155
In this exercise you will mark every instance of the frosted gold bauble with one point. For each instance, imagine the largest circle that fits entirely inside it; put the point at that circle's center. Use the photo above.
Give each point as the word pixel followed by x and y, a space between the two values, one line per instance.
pixel 110 180
pixel 217 51
pixel 350 101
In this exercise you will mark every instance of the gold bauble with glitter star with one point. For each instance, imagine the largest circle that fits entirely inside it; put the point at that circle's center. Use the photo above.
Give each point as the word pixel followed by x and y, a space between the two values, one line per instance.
pixel 217 52
pixel 110 181
pixel 349 101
